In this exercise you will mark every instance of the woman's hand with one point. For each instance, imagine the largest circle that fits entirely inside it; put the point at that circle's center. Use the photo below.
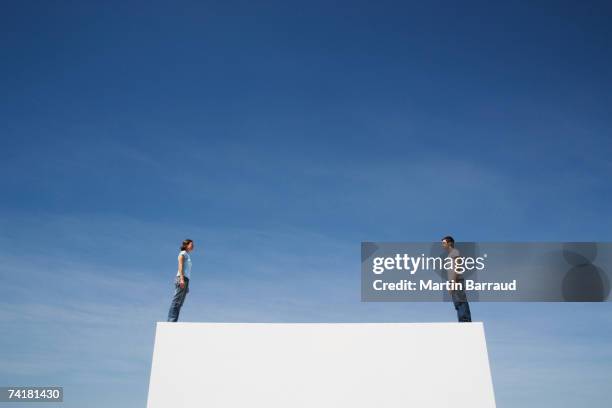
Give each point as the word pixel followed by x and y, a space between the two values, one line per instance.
pixel 182 282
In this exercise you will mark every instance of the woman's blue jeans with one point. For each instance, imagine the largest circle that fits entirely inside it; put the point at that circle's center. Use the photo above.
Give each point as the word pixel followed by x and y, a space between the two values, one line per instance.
pixel 178 299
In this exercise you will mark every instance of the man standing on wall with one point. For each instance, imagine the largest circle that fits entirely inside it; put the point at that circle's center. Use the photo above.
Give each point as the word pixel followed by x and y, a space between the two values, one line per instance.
pixel 458 293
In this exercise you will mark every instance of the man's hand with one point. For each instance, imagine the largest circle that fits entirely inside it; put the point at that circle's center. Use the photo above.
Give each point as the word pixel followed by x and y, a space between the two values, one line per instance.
pixel 182 282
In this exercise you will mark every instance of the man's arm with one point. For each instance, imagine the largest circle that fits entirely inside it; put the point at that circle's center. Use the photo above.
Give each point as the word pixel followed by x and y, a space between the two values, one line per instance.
pixel 452 273
pixel 451 277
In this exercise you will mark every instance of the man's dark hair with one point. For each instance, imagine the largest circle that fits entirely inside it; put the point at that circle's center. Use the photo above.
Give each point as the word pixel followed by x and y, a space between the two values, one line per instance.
pixel 449 239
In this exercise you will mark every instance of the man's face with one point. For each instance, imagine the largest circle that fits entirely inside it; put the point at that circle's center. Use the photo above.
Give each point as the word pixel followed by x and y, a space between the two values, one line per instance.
pixel 445 244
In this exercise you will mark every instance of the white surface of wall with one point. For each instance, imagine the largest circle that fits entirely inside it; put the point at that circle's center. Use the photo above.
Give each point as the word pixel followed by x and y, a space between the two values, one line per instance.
pixel 320 365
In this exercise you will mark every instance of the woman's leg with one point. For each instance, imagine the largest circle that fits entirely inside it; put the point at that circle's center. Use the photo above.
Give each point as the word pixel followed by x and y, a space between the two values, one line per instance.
pixel 185 292
pixel 177 301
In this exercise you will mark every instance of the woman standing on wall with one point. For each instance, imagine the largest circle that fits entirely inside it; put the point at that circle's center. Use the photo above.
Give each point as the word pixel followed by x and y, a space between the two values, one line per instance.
pixel 181 283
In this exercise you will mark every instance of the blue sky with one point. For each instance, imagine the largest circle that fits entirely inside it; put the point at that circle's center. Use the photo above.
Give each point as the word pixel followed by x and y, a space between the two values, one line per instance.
pixel 279 137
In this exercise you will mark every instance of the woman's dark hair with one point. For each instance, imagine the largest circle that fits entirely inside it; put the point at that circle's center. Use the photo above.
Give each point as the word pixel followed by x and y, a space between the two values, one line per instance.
pixel 186 244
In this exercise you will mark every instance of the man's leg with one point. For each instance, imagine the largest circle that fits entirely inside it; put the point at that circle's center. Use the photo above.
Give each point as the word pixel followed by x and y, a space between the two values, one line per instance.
pixel 463 312
pixel 461 306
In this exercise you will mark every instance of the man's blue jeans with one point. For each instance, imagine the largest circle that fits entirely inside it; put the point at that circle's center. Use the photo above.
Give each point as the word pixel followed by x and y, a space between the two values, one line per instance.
pixel 178 299
pixel 461 305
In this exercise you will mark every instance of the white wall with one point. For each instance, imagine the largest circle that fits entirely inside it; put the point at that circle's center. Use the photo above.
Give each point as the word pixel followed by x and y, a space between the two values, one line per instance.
pixel 274 365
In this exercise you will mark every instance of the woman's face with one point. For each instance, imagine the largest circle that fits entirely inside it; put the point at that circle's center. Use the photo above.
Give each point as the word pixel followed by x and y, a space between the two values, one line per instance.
pixel 190 247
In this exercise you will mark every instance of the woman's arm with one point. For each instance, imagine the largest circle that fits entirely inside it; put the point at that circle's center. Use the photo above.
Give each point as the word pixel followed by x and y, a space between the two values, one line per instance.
pixel 180 271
